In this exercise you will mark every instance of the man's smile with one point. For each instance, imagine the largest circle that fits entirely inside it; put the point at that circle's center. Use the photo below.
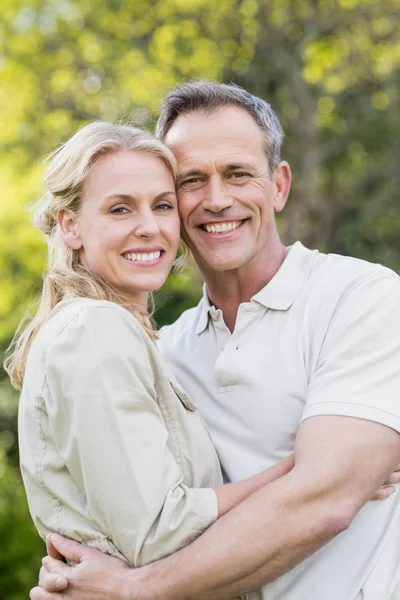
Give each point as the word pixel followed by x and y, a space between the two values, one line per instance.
pixel 221 226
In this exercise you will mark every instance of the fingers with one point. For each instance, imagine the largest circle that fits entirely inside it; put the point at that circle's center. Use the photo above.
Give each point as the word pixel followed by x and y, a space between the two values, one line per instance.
pixel 55 566
pixel 384 492
pixel 52 582
pixel 66 548
pixel 393 478
pixel 38 594
pixel 51 549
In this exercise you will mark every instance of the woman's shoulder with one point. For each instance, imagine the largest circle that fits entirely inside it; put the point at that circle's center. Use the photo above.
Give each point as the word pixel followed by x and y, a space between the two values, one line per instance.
pixel 83 336
pixel 75 318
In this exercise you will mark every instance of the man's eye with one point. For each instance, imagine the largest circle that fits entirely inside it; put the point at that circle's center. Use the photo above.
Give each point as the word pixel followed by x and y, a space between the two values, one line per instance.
pixel 239 174
pixel 192 180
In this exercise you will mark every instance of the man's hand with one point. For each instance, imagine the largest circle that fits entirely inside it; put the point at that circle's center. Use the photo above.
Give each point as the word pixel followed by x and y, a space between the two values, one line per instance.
pixel 96 573
pixel 388 488
pixel 96 576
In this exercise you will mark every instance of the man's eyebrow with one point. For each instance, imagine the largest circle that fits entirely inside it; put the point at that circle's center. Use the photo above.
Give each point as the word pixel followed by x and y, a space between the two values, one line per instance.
pixel 239 165
pixel 227 167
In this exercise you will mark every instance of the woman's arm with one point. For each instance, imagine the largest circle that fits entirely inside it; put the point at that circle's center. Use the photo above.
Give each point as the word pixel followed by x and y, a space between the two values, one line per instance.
pixel 232 494
pixel 112 437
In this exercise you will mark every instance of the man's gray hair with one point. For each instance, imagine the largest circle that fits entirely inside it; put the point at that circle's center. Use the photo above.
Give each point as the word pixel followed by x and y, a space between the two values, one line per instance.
pixel 209 96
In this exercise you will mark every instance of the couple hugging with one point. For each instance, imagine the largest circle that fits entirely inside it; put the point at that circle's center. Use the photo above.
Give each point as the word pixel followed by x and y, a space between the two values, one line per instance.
pixel 290 360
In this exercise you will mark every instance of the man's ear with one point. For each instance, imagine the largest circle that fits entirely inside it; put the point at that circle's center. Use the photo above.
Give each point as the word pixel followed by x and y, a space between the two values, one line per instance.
pixel 282 178
pixel 69 229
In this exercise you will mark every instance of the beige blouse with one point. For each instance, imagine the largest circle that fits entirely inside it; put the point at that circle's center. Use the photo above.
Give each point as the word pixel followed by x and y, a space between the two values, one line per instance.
pixel 113 452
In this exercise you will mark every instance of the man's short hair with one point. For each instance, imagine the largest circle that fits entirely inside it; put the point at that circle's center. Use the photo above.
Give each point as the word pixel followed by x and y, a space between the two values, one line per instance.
pixel 209 96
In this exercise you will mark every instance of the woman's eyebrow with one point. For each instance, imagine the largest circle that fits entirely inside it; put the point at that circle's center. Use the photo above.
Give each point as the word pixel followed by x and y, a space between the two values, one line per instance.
pixel 130 198
pixel 123 197
pixel 165 195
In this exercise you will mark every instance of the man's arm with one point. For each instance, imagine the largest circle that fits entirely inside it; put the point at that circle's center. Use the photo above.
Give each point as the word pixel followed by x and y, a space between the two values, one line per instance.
pixel 340 462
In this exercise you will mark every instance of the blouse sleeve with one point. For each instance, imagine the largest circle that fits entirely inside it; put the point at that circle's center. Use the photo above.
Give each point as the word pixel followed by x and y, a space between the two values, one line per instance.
pixel 111 435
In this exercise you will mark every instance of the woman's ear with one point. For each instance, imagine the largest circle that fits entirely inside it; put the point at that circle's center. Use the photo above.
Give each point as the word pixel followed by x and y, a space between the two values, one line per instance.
pixel 69 229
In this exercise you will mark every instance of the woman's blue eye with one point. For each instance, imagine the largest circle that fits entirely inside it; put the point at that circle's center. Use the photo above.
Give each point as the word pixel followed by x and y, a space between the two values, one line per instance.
pixel 119 210
pixel 163 206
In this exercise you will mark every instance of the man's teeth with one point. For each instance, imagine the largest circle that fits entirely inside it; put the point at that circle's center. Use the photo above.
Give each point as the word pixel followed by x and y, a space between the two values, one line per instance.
pixel 222 227
pixel 143 257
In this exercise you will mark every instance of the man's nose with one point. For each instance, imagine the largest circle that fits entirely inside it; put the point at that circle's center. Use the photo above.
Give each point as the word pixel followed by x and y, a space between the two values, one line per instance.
pixel 216 197
pixel 147 224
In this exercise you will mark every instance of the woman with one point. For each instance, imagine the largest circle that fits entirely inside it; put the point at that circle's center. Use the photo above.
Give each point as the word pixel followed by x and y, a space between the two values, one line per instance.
pixel 113 453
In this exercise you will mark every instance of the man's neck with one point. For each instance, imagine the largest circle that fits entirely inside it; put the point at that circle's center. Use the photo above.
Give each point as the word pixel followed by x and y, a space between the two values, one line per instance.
pixel 228 289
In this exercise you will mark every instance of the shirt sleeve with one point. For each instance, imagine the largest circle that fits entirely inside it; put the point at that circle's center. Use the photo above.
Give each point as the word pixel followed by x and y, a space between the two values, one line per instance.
pixel 358 371
pixel 111 435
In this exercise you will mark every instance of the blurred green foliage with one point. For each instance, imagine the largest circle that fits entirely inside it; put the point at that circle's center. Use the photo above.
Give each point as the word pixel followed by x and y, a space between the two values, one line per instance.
pixel 21 546
pixel 331 69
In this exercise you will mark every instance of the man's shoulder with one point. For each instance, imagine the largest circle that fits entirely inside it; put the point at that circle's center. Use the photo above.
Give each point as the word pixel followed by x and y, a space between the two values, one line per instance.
pixel 342 289
pixel 345 273
pixel 355 264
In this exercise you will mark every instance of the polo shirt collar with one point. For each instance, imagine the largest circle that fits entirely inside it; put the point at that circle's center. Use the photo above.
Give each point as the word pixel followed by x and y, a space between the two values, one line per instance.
pixel 280 292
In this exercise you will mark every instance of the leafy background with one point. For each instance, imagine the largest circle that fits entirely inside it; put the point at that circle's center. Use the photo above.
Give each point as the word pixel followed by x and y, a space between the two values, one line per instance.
pixel 331 69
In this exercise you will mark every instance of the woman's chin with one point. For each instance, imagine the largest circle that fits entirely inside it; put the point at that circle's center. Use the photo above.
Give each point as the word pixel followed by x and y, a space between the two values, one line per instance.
pixel 141 290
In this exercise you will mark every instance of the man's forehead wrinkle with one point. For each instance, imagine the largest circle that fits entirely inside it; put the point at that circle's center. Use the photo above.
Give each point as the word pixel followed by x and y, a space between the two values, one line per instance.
pixel 199 161
pixel 217 142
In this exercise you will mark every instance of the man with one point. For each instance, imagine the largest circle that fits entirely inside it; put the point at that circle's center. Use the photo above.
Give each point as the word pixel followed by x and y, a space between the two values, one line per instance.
pixel 288 349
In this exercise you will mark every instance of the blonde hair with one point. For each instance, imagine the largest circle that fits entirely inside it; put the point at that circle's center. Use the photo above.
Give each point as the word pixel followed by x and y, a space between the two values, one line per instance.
pixel 66 277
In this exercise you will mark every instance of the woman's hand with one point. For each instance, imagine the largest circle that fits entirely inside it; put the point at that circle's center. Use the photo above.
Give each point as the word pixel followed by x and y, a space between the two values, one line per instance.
pixel 96 576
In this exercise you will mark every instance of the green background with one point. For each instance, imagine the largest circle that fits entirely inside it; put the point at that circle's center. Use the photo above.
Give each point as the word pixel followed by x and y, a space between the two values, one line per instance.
pixel 331 69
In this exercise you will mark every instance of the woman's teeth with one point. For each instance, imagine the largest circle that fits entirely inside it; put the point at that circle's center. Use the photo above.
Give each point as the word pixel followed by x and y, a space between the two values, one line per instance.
pixel 143 256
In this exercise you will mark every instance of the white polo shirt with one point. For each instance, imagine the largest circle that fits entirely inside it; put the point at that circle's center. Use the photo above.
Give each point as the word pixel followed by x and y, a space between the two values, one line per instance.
pixel 322 337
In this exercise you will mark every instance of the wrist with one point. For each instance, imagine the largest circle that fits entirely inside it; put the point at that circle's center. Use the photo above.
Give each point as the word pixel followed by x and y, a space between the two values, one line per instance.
pixel 139 584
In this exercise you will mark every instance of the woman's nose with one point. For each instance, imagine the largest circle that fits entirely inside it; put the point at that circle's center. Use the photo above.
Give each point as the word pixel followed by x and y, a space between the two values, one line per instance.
pixel 147 225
